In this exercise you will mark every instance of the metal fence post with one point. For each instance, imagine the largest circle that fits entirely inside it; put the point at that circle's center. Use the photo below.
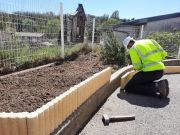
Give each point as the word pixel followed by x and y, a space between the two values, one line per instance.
pixel 93 31
pixel 179 52
pixel 62 30
pixel 141 32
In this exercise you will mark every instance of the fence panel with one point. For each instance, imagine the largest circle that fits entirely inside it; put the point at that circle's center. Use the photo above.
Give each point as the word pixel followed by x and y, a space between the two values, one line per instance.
pixel 169 39
pixel 29 31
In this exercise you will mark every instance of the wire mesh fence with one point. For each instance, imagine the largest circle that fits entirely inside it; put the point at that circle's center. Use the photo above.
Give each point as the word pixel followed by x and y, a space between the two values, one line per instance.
pixel 30 31
pixel 27 33
pixel 169 39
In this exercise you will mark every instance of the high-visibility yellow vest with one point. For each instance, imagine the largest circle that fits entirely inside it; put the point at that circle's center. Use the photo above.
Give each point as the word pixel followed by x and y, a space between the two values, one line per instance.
pixel 147 55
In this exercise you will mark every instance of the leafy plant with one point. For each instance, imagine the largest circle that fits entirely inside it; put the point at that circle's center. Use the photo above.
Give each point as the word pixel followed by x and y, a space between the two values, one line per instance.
pixel 113 52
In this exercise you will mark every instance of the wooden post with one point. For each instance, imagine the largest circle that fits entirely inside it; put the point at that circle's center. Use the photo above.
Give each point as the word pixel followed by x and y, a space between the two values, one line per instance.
pixel 41 119
pixel 22 123
pixel 45 109
pixel 56 122
pixel 5 127
pixel 33 123
pixel 51 115
pixel 13 123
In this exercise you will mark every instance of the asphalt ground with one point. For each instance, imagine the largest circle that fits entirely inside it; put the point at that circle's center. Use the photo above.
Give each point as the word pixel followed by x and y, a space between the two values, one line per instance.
pixel 153 116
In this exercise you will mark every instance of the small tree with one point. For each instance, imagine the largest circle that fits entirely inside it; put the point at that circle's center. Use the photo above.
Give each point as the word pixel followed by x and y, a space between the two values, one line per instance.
pixel 115 15
pixel 113 52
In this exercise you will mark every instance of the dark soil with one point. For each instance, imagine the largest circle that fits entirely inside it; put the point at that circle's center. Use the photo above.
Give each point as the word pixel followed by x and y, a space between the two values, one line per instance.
pixel 29 91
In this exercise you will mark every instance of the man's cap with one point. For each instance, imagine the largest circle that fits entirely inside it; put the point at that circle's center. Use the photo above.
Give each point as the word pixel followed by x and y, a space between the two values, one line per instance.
pixel 126 41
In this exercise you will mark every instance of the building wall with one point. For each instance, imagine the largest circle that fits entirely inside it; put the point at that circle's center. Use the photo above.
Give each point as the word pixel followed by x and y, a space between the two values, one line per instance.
pixel 122 32
pixel 162 25
pixel 167 25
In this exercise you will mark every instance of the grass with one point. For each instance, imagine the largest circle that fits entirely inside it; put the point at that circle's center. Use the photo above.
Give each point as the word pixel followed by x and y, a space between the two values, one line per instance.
pixel 26 56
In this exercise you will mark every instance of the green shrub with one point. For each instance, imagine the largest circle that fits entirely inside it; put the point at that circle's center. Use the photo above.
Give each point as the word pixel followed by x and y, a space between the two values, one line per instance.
pixel 170 41
pixel 113 52
pixel 97 48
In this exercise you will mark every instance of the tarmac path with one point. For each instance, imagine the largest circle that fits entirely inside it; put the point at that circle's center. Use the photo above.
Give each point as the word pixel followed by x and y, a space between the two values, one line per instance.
pixel 154 116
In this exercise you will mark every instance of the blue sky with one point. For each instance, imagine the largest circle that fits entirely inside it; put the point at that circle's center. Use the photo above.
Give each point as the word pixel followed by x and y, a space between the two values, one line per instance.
pixel 127 9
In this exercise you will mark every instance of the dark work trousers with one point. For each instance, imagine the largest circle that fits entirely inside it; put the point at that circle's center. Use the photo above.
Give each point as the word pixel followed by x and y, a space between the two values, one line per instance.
pixel 144 82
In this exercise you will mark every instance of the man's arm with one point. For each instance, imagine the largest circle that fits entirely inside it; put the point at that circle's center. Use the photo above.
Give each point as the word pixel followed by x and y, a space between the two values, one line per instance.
pixel 136 61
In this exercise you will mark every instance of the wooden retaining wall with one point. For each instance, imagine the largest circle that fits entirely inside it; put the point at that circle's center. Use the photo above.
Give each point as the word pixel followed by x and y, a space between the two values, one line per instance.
pixel 69 112
pixel 86 111
pixel 44 120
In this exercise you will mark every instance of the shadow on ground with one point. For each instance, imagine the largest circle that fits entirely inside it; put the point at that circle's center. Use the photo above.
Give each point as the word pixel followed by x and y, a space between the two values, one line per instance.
pixel 144 101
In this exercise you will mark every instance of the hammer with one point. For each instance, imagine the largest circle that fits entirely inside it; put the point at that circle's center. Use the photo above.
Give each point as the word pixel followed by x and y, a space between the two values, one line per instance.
pixel 106 119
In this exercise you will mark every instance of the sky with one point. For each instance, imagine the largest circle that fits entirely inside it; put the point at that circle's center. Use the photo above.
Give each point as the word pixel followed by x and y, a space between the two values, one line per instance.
pixel 127 9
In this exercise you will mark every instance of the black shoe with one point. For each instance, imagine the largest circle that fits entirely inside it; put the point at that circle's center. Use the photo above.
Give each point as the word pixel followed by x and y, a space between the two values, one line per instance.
pixel 167 86
pixel 163 87
pixel 122 90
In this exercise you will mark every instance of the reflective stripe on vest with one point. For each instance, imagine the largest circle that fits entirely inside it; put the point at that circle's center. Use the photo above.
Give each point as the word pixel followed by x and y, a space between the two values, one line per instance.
pixel 155 43
pixel 152 52
pixel 151 64
pixel 137 64
pixel 149 53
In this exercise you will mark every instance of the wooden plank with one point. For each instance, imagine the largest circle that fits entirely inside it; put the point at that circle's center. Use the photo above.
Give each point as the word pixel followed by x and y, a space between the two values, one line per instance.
pixel 172 69
pixel 123 80
pixel 22 123
pixel 72 99
pixel 126 77
pixel 33 123
pixel 41 119
pixel 60 109
pixel 1 130
pixel 80 89
pixel 5 127
pixel 102 78
pixel 13 123
pixel 55 102
pixel 65 105
pixel 51 115
pixel 74 102
pixel 68 104
pixel 90 85
pixel 45 109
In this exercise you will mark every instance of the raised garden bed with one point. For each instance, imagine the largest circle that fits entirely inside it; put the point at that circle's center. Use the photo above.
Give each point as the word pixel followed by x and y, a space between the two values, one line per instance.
pixel 28 91
pixel 68 112
pixel 37 101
